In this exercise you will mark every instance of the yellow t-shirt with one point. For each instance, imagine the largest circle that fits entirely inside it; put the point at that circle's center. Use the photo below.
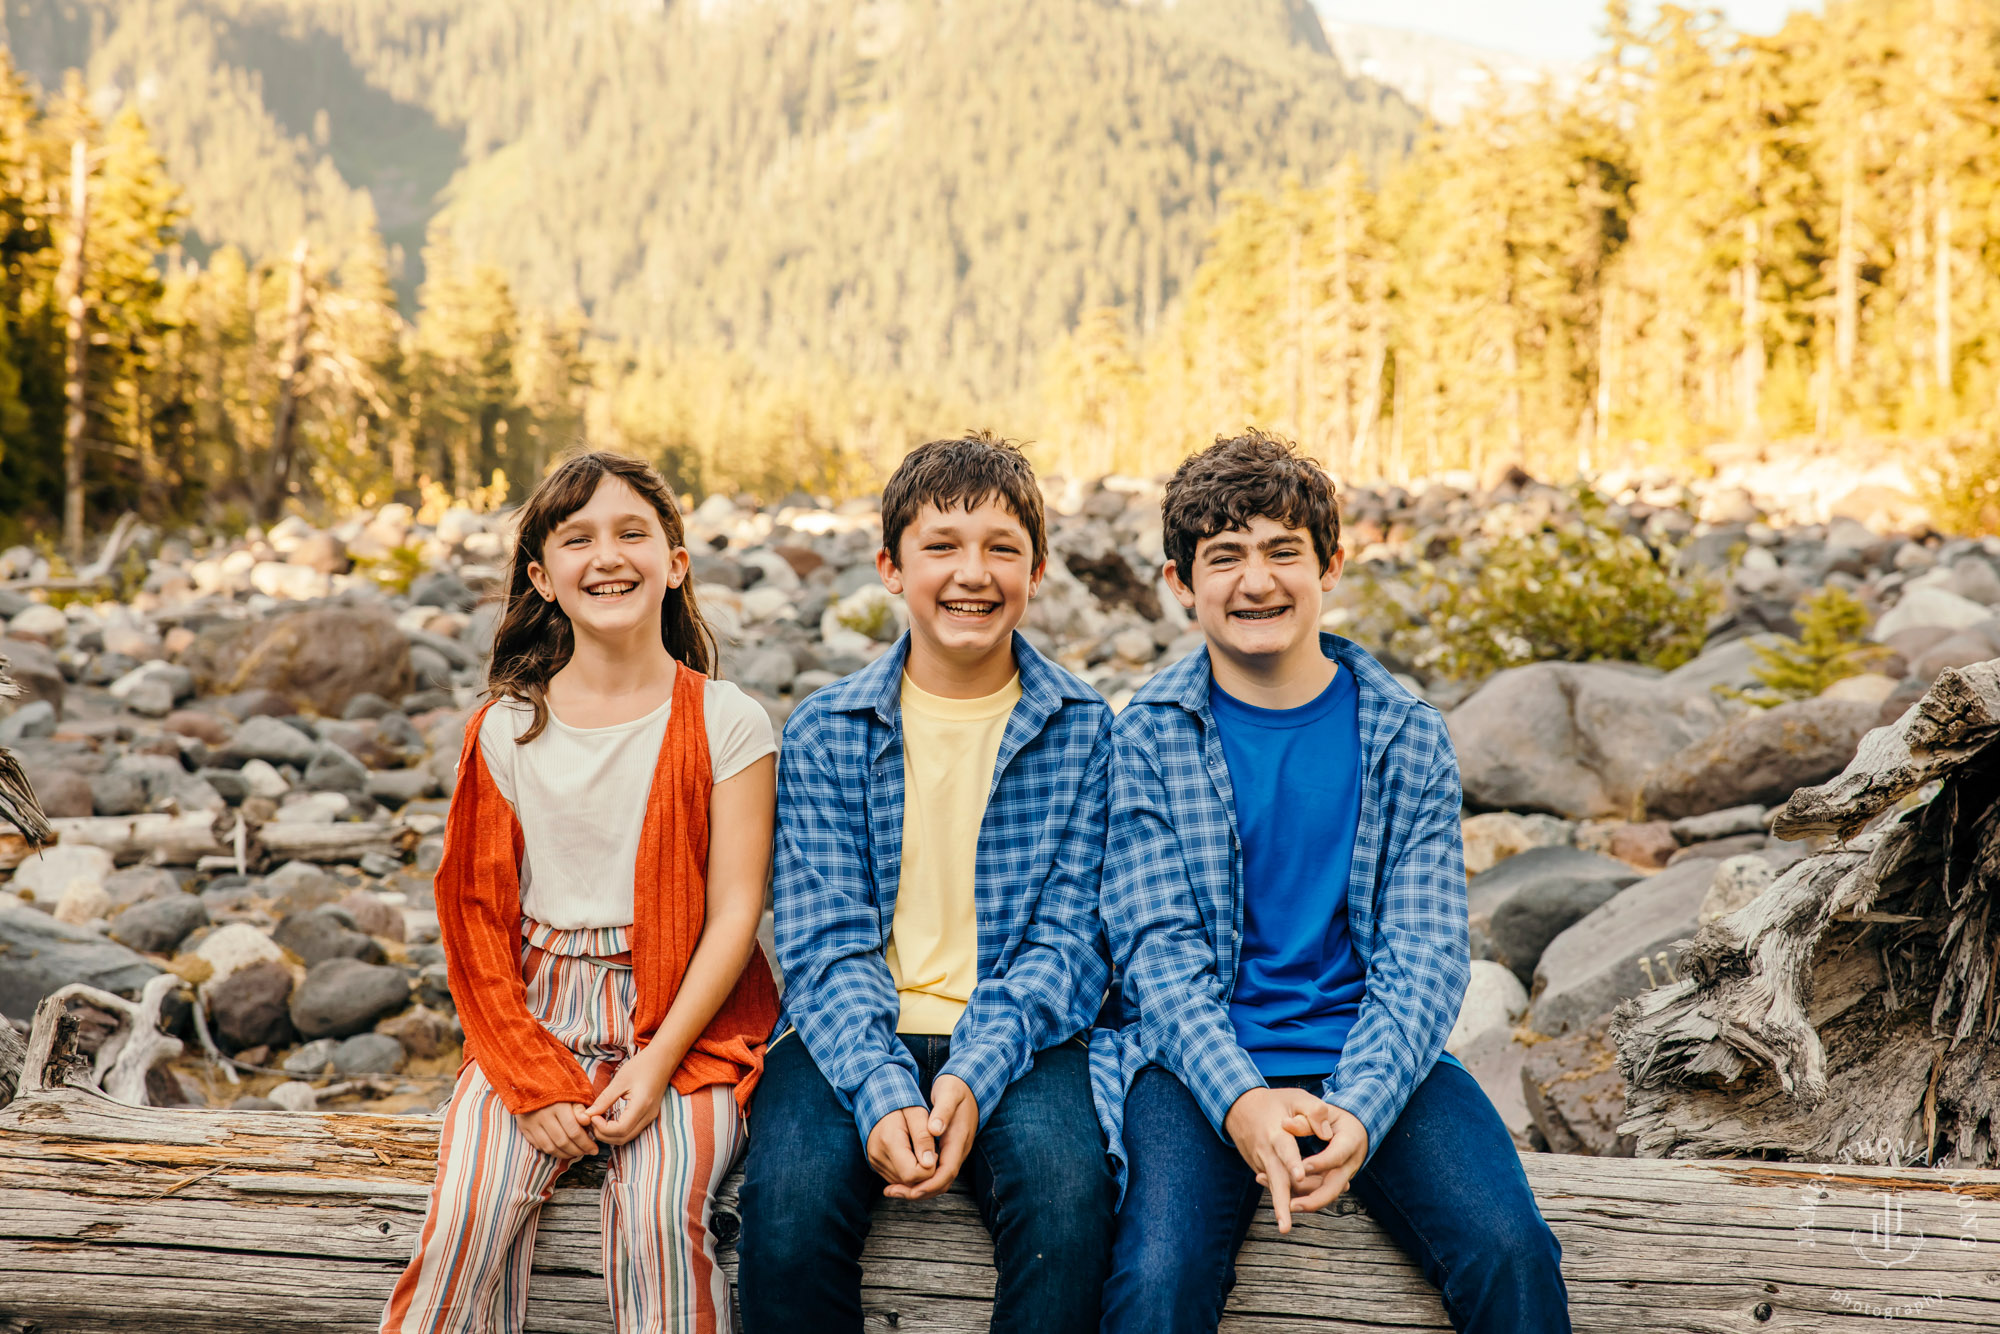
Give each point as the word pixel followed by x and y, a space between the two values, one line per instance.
pixel 950 747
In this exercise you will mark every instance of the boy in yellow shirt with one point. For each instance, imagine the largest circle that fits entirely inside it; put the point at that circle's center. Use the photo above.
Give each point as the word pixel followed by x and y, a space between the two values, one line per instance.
pixel 940 834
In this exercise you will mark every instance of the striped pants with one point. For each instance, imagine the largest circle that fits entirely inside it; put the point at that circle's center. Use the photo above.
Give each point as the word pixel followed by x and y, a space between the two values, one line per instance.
pixel 470 1271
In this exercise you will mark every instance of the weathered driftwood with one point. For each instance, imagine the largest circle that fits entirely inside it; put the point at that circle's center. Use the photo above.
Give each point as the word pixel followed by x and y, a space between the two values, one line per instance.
pixel 1849 1011
pixel 18 806
pixel 218 839
pixel 117 1218
pixel 167 840
pixel 346 841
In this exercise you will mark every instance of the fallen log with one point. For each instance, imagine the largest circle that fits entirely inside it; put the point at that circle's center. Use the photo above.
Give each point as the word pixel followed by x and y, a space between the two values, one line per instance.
pixel 346 841
pixel 116 1218
pixel 165 840
pixel 1849 1012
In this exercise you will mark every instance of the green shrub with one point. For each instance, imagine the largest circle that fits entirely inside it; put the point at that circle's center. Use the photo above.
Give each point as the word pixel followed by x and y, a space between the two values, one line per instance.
pixel 394 571
pixel 1580 590
pixel 1829 648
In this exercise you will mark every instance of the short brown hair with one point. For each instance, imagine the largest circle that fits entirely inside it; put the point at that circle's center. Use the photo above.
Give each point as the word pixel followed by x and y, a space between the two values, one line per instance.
pixel 964 473
pixel 1235 480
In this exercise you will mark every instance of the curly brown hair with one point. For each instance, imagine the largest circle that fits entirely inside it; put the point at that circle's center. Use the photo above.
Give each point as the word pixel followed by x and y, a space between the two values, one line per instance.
pixel 964 473
pixel 535 640
pixel 1235 480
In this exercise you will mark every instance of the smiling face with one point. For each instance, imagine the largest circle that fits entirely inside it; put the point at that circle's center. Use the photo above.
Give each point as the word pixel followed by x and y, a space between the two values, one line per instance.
pixel 609 565
pixel 1256 592
pixel 966 577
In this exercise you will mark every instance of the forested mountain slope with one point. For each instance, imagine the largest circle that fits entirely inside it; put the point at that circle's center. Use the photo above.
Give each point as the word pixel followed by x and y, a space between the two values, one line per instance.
pixel 923 191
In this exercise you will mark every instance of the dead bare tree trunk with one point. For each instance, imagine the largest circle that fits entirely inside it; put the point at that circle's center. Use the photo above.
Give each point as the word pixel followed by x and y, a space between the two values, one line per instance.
pixel 291 365
pixel 1854 1000
pixel 76 347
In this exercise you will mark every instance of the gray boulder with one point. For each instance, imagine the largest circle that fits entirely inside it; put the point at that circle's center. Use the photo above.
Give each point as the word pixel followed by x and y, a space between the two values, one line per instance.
pixel 1760 757
pixel 157 925
pixel 1573 739
pixel 137 884
pixel 268 739
pixel 334 770
pixel 310 1058
pixel 1589 968
pixel 317 657
pixel 32 721
pixel 1531 905
pixel 321 935
pixel 346 996
pixel 39 954
pixel 248 1007
pixel 368 1054
pixel 1486 891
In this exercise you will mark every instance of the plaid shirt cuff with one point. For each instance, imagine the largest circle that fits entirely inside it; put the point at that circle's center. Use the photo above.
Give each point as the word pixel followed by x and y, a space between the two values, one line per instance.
pixel 1218 1077
pixel 984 1069
pixel 891 1088
pixel 1371 1102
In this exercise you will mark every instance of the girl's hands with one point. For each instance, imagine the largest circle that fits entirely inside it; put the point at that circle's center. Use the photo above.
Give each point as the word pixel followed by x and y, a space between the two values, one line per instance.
pixel 559 1130
pixel 642 1084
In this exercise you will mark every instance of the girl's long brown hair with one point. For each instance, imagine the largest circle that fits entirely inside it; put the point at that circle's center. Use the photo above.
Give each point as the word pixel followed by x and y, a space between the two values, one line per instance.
pixel 535 640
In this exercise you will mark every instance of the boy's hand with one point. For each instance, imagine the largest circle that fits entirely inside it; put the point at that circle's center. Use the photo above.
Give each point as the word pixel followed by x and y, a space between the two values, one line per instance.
pixel 954 1121
pixel 1329 1171
pixel 558 1130
pixel 642 1085
pixel 1264 1124
pixel 901 1148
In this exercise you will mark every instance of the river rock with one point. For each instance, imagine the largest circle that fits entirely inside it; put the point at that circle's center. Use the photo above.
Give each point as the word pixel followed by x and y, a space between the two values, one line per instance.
pixel 158 925
pixel 1494 1000
pixel 321 934
pixel 34 669
pixel 317 658
pixel 248 1008
pixel 1594 964
pixel 1760 757
pixel 231 948
pixel 1486 891
pixel 41 622
pixel 310 1058
pixel 1572 739
pixel 1728 822
pixel 1647 845
pixel 270 740
pixel 334 770
pixel 1738 880
pixel 423 1032
pixel 345 996
pixel 1930 607
pixel 141 884
pixel 1576 1095
pixel 1547 903
pixel 1492 838
pixel 39 954
pixel 368 1054
pixel 1959 649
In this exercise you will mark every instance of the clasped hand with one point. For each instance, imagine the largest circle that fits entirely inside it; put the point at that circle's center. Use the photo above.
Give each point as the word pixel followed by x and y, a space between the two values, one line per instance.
pixel 571 1130
pixel 919 1152
pixel 1266 1125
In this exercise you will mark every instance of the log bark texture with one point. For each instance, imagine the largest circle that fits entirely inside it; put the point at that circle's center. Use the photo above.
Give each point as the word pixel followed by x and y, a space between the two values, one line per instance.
pixel 1848 1013
pixel 118 1218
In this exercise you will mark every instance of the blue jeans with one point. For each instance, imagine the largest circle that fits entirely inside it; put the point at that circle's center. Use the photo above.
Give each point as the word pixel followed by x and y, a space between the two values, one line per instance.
pixel 1037 1170
pixel 1447 1186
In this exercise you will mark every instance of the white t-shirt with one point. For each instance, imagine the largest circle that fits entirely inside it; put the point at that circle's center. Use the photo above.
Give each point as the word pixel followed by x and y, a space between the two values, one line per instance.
pixel 580 795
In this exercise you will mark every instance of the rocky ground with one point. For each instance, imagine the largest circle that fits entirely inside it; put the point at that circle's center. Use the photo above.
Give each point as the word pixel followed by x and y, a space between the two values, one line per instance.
pixel 249 760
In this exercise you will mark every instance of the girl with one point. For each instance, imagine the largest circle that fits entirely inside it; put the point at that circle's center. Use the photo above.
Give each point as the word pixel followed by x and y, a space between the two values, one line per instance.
pixel 601 945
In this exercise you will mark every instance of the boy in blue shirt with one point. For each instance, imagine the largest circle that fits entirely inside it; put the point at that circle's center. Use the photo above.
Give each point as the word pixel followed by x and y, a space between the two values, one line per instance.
pixel 940 835
pixel 1284 894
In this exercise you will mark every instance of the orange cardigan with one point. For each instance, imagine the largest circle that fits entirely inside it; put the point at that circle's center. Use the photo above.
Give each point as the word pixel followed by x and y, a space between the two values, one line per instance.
pixel 478 885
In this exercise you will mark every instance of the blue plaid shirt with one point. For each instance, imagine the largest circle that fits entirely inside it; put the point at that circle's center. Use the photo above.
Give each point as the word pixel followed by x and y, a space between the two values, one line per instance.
pixel 839 856
pixel 1173 900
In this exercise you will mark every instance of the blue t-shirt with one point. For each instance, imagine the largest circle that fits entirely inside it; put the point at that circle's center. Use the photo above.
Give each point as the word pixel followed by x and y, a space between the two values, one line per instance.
pixel 1297 776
